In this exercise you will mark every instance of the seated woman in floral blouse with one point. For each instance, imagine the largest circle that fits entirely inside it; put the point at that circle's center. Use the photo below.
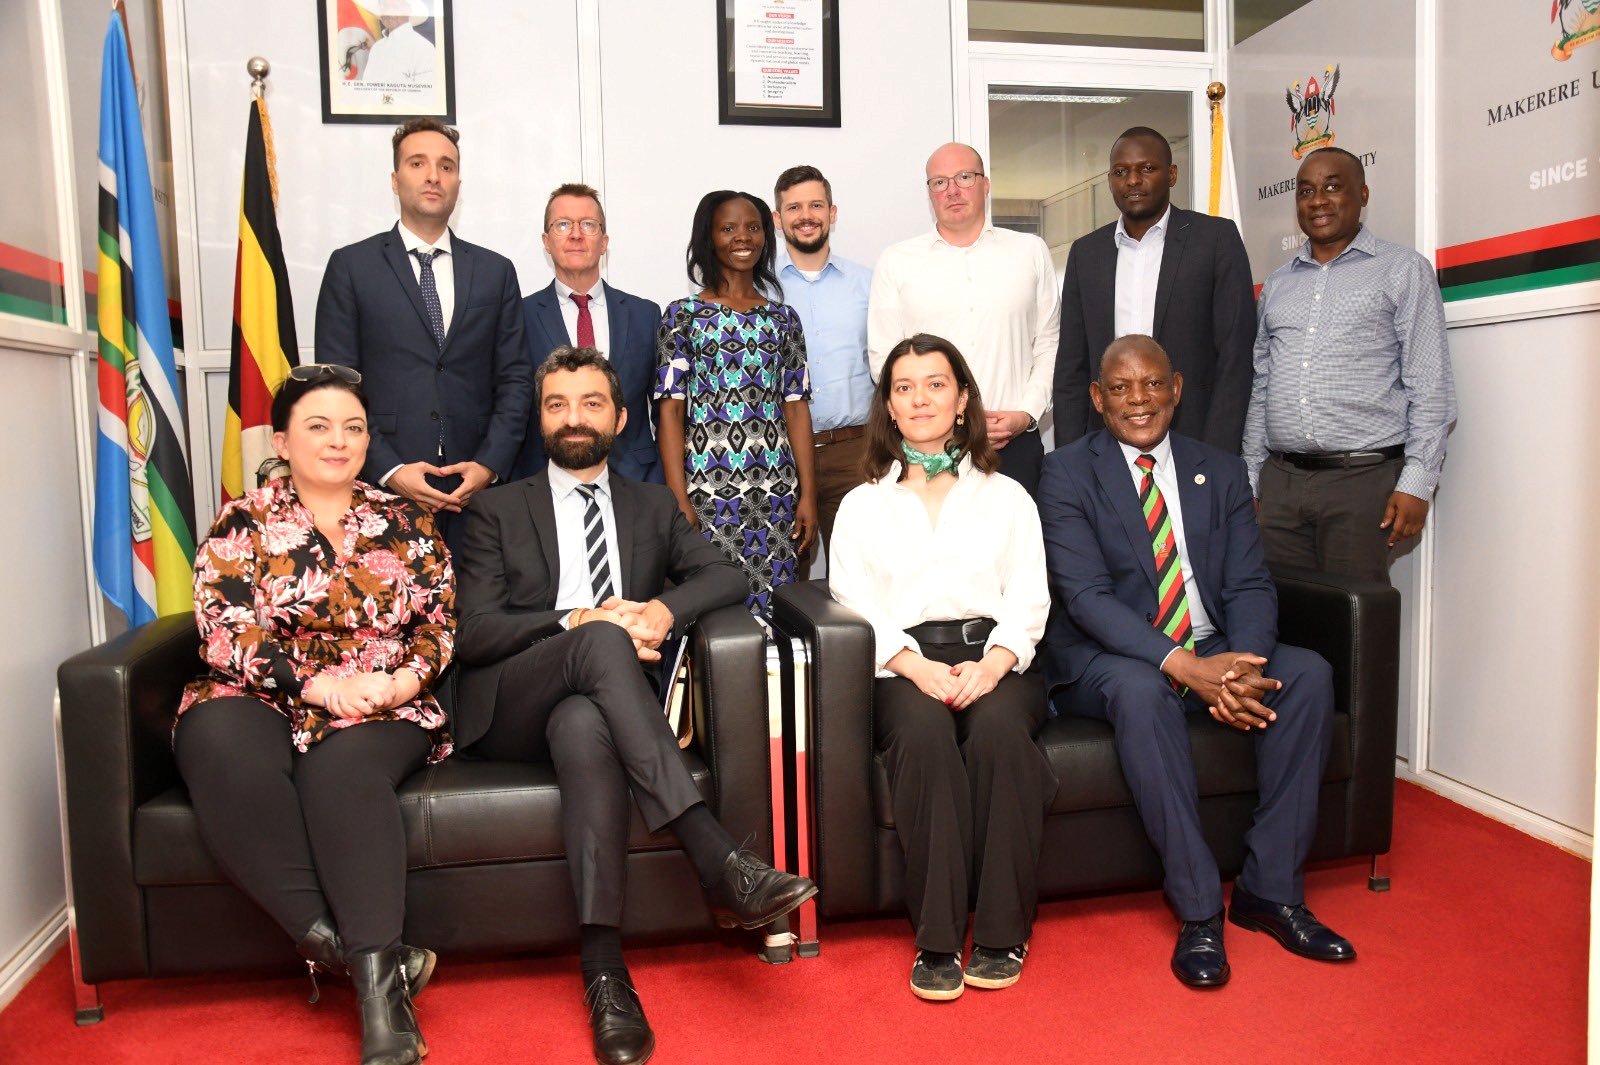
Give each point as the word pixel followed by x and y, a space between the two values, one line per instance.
pixel 326 613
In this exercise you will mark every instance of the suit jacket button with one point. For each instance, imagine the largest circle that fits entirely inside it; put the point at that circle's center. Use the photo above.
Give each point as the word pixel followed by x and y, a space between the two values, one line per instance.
pixel 440 367
pixel 434 415
pixel 1150 619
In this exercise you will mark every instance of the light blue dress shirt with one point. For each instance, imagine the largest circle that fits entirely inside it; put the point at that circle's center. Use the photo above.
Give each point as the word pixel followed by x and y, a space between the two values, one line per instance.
pixel 833 313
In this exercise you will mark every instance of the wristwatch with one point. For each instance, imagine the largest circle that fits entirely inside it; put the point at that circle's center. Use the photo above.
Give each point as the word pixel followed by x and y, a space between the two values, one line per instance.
pixel 1033 423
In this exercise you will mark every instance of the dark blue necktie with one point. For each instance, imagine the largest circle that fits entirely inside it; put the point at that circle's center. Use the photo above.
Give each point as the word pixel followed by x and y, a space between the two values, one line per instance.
pixel 430 293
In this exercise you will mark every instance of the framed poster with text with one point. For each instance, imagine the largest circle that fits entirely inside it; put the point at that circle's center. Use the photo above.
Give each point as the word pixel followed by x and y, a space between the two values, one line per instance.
pixel 778 62
pixel 384 61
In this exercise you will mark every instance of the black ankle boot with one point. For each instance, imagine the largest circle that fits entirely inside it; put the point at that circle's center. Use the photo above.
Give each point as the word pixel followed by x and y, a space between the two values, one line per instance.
pixel 324 952
pixel 389 1034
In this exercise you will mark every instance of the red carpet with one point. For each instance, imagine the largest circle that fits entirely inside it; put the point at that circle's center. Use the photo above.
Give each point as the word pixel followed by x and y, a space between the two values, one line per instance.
pixel 1477 955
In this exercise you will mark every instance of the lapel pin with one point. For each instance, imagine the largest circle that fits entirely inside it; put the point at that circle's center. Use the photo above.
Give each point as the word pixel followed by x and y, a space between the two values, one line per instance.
pixel 1199 478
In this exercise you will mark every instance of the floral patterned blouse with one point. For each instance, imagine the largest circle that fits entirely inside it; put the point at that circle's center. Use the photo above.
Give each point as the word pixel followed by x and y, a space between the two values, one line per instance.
pixel 277 604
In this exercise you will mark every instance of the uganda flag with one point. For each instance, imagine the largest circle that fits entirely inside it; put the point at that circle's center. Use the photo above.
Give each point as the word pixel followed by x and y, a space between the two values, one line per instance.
pixel 263 317
pixel 144 504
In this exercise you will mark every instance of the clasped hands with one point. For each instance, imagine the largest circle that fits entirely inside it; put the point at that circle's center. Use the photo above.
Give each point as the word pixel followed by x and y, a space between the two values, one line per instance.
pixel 957 686
pixel 647 624
pixel 411 481
pixel 361 694
pixel 1230 684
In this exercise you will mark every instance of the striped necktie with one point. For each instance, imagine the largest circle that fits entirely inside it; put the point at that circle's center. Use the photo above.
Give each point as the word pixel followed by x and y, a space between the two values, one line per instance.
pixel 1172 617
pixel 594 545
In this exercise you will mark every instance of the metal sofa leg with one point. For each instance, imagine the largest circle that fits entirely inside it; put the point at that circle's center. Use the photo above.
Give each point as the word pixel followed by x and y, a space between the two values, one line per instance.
pixel 86 1007
pixel 1378 878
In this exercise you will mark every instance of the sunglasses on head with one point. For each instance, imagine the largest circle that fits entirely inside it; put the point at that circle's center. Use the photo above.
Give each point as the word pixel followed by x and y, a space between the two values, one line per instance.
pixel 318 371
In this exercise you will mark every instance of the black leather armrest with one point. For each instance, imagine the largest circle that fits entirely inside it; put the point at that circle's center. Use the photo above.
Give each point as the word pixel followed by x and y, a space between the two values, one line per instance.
pixel 118 702
pixel 729 654
pixel 1355 625
pixel 840 746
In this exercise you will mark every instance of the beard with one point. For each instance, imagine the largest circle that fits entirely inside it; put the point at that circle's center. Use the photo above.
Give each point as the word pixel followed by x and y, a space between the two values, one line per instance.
pixel 578 449
pixel 807 247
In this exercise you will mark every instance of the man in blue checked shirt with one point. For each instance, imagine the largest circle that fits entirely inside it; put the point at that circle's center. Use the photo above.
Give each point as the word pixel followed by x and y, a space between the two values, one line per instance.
pixel 1353 394
pixel 830 295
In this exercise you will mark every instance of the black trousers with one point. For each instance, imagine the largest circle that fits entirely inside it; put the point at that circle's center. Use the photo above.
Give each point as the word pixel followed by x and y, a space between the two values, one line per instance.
pixel 1327 519
pixel 1022 460
pixel 970 790
pixel 303 834
pixel 582 699
pixel 1152 739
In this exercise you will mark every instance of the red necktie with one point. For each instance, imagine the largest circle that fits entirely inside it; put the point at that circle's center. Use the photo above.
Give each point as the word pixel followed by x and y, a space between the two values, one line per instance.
pixel 585 320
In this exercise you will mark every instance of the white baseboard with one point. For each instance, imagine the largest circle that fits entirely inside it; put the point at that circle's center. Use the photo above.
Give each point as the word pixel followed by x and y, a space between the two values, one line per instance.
pixel 1564 836
pixel 33 955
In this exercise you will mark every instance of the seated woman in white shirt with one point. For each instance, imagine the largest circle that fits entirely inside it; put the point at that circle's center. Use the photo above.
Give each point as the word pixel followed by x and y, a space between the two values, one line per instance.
pixel 944 557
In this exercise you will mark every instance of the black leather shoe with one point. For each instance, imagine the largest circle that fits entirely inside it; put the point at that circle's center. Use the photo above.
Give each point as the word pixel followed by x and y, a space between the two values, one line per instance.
pixel 1199 959
pixel 621 1034
pixel 324 952
pixel 389 1034
pixel 750 893
pixel 1296 927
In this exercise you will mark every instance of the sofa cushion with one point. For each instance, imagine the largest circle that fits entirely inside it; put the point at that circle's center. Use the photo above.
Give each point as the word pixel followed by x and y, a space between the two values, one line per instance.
pixel 1083 754
pixel 459 812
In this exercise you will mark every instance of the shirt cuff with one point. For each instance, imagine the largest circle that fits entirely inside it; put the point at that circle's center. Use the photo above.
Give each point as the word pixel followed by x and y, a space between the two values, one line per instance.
pixel 1169 654
pixel 1416 481
pixel 888 648
pixel 383 482
pixel 1012 640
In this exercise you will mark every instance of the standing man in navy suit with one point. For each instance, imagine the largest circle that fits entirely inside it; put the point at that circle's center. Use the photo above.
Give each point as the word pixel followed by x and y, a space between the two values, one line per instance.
pixel 579 309
pixel 1176 275
pixel 433 324
pixel 1164 608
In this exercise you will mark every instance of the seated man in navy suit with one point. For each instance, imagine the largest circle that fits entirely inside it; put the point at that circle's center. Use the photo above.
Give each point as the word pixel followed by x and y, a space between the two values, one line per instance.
pixel 578 308
pixel 563 593
pixel 1163 607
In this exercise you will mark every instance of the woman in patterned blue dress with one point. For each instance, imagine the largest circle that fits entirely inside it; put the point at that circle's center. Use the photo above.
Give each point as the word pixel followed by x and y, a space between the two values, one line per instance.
pixel 734 424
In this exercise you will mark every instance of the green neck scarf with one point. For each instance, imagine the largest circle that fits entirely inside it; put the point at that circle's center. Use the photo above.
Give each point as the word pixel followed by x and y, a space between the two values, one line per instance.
pixel 936 463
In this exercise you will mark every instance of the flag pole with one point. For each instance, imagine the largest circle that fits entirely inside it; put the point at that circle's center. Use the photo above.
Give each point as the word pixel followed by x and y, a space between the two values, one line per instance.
pixel 258 68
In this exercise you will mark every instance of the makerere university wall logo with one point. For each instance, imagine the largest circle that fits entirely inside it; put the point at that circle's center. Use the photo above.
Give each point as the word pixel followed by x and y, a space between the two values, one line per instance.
pixel 1311 111
pixel 1580 23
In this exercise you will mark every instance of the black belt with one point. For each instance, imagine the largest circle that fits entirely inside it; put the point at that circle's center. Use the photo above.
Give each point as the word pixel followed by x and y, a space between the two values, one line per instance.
pixel 1339 460
pixel 973 631
pixel 824 437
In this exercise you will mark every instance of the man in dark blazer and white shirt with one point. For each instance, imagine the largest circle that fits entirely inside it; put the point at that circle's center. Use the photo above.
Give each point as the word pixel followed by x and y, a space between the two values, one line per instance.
pixel 578 308
pixel 434 324
pixel 1163 607
pixel 1177 275
pixel 562 594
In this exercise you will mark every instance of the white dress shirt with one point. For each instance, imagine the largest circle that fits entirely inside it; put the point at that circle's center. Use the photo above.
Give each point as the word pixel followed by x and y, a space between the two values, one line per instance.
pixel 444 269
pixel 984 559
pixel 597 311
pixel 573 588
pixel 1138 270
pixel 998 301
pixel 1167 481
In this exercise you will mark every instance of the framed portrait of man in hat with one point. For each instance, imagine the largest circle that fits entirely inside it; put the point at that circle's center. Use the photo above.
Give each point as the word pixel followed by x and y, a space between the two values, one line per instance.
pixel 384 60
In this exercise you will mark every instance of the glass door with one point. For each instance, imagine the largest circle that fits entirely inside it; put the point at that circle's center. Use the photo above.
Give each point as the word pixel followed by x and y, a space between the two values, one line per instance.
pixel 1046 125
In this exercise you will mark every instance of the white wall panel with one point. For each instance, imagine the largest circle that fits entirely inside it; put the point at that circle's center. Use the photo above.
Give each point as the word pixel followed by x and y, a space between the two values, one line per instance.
pixel 1514 651
pixel 664 148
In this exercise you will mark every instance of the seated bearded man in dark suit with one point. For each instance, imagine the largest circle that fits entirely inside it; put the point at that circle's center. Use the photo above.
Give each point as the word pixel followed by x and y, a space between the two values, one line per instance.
pixel 562 595
pixel 1163 607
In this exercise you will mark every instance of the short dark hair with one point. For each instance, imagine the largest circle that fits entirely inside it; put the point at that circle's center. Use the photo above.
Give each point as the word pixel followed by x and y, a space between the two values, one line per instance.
pixel 1145 132
pixel 566 357
pixel 799 175
pixel 705 269
pixel 883 436
pixel 1355 160
pixel 290 393
pixel 575 188
pixel 424 125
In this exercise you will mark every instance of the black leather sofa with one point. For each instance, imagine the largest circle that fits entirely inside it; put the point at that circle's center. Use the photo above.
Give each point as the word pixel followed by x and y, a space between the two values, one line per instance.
pixel 1093 838
pixel 487 870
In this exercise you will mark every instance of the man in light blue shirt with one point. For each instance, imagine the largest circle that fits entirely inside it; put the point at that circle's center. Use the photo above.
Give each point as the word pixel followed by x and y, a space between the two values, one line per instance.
pixel 830 295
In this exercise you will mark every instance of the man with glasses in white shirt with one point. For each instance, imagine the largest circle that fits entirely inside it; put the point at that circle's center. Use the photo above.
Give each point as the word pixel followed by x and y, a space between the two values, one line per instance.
pixel 991 292
pixel 579 309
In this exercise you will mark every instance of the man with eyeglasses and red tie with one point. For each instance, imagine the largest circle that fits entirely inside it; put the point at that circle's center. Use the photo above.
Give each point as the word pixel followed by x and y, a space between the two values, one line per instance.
pixel 991 292
pixel 434 325
pixel 579 309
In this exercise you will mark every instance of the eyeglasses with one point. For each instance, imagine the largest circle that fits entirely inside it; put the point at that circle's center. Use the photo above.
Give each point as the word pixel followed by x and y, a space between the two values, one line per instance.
pixel 563 226
pixel 318 371
pixel 964 180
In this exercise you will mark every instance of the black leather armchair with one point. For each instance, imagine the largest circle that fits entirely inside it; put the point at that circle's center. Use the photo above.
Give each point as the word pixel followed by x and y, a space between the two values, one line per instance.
pixel 487 869
pixel 1093 838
